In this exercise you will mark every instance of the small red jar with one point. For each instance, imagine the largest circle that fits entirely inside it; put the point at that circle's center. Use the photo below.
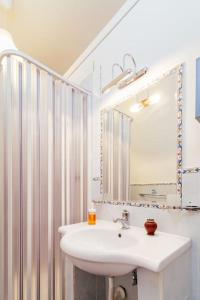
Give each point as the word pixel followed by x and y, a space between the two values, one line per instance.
pixel 150 226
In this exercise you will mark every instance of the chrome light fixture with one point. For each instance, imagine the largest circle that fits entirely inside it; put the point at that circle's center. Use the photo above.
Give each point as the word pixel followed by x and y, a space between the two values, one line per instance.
pixel 127 76
pixel 134 75
pixel 115 80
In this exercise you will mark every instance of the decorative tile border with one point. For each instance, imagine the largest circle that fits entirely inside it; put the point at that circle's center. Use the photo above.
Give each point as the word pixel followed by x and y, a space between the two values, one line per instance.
pixel 191 170
pixel 150 184
pixel 179 130
pixel 137 204
pixel 179 70
pixel 149 205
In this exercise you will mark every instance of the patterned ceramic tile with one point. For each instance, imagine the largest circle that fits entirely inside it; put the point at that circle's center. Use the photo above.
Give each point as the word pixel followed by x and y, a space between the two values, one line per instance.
pixel 191 170
pixel 137 204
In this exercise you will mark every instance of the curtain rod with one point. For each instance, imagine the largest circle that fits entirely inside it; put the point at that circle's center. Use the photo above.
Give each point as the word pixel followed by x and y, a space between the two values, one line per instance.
pixel 42 67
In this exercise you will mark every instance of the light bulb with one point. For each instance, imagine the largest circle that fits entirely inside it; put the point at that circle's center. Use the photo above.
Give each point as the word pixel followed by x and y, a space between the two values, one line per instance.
pixel 136 107
pixel 153 99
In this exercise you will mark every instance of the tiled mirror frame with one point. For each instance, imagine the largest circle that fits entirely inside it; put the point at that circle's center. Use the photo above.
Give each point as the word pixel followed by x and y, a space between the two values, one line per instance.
pixel 179 70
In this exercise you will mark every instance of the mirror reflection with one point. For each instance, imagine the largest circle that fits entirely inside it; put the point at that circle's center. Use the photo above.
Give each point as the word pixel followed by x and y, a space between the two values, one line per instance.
pixel 139 145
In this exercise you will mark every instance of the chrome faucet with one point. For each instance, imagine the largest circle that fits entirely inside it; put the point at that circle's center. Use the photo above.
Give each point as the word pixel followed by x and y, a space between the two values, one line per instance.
pixel 123 220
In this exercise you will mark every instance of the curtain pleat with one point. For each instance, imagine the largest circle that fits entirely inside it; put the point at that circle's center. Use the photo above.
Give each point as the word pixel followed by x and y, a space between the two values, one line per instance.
pixel 116 129
pixel 43 178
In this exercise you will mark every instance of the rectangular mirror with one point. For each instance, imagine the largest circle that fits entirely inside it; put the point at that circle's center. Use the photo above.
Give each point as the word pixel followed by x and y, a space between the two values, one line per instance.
pixel 142 145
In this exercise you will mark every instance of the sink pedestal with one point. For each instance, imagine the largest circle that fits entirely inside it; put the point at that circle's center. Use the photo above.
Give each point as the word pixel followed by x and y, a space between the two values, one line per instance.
pixel 110 288
pixel 173 283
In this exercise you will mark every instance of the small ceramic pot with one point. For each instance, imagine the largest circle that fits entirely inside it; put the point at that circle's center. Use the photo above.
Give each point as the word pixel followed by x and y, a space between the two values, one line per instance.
pixel 150 226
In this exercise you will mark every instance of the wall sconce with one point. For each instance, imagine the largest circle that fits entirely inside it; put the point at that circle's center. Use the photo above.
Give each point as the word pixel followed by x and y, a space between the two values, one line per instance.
pixel 133 75
pixel 117 79
pixel 127 76
pixel 138 106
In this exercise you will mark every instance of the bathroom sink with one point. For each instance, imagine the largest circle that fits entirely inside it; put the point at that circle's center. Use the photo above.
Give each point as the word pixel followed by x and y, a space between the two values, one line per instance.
pixel 97 249
pixel 105 249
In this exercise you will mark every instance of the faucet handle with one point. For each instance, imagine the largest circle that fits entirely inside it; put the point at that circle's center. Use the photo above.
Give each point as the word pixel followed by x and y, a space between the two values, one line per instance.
pixel 125 214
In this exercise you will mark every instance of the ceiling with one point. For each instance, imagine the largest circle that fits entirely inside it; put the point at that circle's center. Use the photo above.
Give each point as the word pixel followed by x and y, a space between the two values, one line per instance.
pixel 56 32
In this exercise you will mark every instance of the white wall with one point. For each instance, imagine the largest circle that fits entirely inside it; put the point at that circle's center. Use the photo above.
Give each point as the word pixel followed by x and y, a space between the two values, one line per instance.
pixel 160 34
pixel 2 18
pixel 154 136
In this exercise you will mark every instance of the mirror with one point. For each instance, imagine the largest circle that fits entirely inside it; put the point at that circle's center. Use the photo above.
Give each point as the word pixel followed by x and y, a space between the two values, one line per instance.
pixel 141 144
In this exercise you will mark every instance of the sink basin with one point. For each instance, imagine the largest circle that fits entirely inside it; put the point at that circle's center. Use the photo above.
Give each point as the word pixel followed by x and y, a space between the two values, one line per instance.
pixel 96 249
pixel 101 240
pixel 105 249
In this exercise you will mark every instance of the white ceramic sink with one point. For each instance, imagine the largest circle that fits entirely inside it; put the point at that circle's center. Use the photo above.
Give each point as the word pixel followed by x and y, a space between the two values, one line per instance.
pixel 107 250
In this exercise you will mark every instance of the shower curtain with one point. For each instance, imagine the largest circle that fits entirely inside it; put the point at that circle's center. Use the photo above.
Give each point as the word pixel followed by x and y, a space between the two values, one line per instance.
pixel 43 173
pixel 116 141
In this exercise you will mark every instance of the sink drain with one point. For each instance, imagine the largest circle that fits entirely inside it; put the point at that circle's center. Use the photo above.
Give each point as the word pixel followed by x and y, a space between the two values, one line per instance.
pixel 120 293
